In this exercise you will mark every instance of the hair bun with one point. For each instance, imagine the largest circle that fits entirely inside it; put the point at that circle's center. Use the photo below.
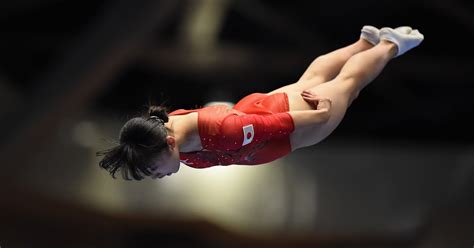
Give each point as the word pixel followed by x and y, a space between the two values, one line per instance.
pixel 159 112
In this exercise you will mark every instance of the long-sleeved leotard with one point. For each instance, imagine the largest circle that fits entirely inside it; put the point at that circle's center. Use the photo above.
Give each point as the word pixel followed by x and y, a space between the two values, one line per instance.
pixel 255 131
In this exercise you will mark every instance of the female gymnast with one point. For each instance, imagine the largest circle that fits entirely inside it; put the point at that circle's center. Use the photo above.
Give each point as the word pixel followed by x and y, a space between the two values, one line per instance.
pixel 260 127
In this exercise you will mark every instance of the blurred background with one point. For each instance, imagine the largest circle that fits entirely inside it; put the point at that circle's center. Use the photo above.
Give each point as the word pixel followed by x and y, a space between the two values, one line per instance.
pixel 397 172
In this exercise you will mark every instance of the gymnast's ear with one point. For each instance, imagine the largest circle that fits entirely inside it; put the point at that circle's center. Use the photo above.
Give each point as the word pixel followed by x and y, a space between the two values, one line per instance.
pixel 171 141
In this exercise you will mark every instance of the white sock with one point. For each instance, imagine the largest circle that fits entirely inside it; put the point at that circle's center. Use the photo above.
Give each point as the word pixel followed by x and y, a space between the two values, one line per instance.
pixel 370 34
pixel 404 37
pixel 404 29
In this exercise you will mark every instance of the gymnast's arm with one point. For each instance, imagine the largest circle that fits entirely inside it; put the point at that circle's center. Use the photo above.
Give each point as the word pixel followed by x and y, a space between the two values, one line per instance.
pixel 320 114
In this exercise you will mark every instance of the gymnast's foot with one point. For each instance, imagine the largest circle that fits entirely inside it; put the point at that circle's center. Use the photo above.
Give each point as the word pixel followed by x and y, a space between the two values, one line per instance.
pixel 370 34
pixel 405 38
pixel 404 29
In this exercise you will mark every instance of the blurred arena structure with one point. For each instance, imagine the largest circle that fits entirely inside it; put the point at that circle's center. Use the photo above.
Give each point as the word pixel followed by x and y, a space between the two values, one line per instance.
pixel 398 171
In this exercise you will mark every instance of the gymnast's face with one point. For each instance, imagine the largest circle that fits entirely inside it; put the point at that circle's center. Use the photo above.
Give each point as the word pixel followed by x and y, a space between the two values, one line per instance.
pixel 167 162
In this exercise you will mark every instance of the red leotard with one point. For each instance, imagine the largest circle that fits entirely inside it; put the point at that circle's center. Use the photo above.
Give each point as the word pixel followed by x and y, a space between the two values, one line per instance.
pixel 255 131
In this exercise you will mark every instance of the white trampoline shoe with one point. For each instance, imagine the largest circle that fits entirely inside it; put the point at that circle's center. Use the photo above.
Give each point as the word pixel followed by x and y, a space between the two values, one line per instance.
pixel 404 29
pixel 404 37
pixel 370 34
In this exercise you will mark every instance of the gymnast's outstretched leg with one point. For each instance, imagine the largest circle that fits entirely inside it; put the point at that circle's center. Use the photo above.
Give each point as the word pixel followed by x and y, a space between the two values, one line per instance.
pixel 325 67
pixel 356 73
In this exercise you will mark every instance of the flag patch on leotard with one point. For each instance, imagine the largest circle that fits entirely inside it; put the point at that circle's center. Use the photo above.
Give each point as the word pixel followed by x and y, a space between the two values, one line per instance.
pixel 248 134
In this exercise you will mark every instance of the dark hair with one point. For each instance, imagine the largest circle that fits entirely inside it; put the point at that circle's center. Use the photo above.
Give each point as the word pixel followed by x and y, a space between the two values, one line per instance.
pixel 141 140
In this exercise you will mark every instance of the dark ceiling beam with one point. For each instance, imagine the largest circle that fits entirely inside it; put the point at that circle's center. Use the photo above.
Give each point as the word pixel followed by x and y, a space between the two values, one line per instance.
pixel 201 24
pixel 87 67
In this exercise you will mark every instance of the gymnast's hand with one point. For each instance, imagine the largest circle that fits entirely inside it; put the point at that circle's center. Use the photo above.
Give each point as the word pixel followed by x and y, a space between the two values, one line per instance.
pixel 318 102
